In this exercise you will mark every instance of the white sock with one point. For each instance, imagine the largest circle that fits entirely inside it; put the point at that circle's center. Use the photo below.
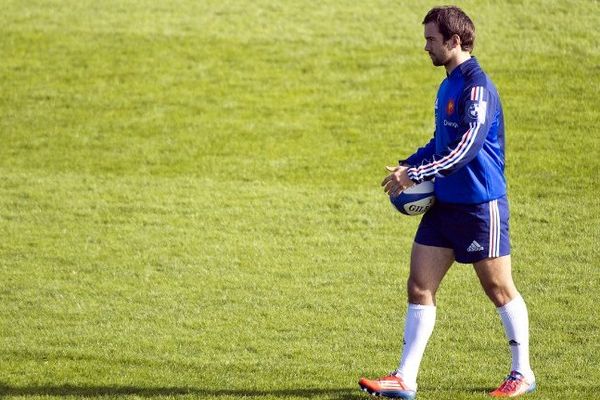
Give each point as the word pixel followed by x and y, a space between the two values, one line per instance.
pixel 418 327
pixel 516 326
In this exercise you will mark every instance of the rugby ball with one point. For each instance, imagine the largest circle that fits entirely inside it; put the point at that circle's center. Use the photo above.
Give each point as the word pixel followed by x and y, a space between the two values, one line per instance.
pixel 415 200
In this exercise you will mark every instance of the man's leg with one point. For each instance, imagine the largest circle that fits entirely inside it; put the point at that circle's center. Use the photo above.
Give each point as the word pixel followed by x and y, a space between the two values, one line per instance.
pixel 496 279
pixel 428 267
pixel 495 275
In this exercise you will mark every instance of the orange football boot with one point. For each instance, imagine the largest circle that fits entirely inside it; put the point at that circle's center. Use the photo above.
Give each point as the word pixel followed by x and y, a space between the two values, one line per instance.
pixel 388 386
pixel 514 385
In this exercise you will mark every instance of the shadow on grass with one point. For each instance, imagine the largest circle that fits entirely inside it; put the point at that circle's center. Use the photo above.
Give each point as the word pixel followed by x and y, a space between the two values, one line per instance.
pixel 112 391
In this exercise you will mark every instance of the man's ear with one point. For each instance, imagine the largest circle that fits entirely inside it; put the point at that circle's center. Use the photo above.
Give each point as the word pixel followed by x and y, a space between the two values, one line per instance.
pixel 453 42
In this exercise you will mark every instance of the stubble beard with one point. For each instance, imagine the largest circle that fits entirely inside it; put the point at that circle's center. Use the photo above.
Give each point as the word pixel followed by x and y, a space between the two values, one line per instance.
pixel 437 61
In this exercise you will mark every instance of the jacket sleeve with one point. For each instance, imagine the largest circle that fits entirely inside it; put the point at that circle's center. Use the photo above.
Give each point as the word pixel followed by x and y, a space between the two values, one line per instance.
pixel 474 123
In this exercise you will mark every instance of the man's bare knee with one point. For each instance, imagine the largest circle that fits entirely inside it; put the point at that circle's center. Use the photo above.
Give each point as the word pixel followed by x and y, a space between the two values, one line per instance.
pixel 419 294
pixel 496 280
pixel 427 269
pixel 499 294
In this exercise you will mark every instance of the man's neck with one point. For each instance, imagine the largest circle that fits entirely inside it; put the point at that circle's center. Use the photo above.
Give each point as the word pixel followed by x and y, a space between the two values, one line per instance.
pixel 454 62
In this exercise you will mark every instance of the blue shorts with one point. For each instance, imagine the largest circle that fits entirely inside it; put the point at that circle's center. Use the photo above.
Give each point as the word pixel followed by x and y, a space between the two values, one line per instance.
pixel 473 231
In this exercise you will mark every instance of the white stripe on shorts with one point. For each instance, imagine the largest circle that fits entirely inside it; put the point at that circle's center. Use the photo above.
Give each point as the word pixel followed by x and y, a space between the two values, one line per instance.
pixel 494 246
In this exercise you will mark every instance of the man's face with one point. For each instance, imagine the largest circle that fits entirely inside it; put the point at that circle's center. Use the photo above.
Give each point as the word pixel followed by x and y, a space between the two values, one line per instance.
pixel 438 50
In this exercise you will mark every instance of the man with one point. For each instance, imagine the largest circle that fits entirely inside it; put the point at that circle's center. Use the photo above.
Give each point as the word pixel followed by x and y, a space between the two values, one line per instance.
pixel 469 222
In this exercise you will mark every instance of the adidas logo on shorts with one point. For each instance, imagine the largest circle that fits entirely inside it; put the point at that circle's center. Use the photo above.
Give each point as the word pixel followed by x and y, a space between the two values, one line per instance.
pixel 474 246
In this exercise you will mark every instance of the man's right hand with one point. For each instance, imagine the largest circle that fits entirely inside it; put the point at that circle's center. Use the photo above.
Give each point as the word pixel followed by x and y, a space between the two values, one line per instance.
pixel 397 181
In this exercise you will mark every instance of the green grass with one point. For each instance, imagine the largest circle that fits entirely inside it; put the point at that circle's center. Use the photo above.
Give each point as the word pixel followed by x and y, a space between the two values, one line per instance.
pixel 189 199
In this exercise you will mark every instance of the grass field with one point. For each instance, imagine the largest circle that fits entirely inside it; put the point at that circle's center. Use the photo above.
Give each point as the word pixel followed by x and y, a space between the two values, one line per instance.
pixel 190 202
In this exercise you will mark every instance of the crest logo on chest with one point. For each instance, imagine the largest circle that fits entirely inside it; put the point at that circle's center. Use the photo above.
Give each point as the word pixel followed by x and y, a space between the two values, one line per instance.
pixel 450 107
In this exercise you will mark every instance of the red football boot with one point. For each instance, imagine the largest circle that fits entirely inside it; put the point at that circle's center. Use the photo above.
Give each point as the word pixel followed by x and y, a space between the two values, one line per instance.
pixel 388 386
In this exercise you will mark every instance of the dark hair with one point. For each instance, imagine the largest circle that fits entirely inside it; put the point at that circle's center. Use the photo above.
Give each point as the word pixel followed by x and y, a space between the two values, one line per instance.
pixel 451 20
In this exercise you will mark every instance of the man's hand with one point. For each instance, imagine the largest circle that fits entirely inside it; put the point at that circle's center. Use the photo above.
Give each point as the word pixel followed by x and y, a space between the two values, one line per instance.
pixel 396 181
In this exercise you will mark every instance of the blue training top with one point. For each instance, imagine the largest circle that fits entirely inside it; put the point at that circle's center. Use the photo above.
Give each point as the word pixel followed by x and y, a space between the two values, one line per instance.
pixel 466 153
